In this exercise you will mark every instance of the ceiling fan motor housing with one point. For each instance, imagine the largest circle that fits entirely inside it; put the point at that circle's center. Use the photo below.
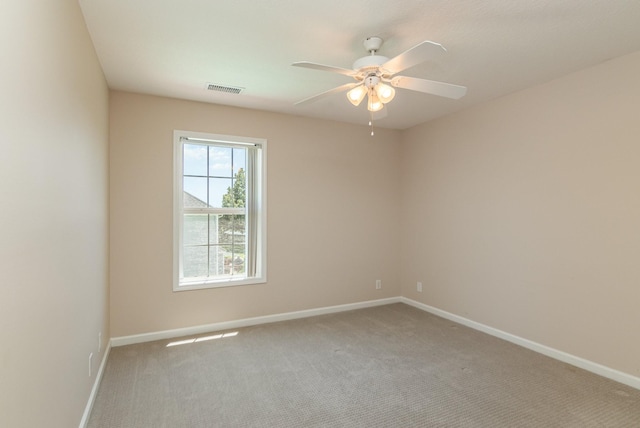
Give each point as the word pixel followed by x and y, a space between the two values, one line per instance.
pixel 372 43
pixel 371 81
pixel 371 61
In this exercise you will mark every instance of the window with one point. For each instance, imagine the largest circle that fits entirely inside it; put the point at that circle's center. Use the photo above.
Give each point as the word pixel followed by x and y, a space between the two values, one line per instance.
pixel 219 210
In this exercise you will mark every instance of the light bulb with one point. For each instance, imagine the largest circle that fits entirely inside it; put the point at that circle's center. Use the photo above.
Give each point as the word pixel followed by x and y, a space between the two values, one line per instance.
pixel 356 95
pixel 374 103
pixel 385 92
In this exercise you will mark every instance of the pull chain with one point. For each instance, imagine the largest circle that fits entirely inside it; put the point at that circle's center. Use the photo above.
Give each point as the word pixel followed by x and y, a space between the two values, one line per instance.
pixel 371 122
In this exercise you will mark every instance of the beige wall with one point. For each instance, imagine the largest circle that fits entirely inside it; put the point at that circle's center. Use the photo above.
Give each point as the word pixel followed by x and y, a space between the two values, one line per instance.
pixel 524 214
pixel 333 225
pixel 53 220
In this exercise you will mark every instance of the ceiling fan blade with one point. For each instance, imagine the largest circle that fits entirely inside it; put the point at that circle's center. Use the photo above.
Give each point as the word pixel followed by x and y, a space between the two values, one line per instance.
pixel 420 53
pixel 322 67
pixel 327 93
pixel 442 89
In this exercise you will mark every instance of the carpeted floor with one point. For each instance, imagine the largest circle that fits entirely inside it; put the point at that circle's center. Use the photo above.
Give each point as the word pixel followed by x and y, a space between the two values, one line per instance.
pixel 389 366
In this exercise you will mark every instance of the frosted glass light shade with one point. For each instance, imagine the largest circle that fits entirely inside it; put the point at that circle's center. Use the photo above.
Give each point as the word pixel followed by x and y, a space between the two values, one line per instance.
pixel 385 92
pixel 356 95
pixel 374 103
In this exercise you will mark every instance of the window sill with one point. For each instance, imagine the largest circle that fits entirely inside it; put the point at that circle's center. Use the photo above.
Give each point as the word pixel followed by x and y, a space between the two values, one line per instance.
pixel 217 283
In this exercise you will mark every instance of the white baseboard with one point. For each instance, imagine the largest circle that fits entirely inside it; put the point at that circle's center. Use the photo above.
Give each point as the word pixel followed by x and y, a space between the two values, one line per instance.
pixel 246 322
pixel 590 366
pixel 96 385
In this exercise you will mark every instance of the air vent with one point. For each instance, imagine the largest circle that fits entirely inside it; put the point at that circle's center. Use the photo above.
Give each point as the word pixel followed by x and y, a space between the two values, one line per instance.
pixel 224 88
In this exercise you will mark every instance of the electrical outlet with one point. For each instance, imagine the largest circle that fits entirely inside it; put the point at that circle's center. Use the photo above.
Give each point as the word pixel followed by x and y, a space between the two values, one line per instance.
pixel 378 284
pixel 90 364
pixel 419 287
pixel 99 342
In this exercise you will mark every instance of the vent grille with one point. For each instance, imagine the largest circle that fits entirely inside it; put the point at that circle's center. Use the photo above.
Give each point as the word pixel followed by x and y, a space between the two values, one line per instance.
pixel 224 88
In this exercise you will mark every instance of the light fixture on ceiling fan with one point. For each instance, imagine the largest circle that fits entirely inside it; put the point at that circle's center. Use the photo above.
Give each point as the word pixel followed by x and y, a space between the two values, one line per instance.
pixel 374 75
pixel 378 93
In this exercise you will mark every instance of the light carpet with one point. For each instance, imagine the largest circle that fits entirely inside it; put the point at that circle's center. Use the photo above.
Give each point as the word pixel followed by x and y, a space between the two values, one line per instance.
pixel 388 366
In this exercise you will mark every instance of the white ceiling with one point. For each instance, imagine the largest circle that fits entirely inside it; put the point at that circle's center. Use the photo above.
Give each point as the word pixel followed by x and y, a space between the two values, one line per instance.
pixel 174 48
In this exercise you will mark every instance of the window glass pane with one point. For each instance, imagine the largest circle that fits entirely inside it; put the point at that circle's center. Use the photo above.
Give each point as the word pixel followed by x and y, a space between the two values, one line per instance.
pixel 233 259
pixel 218 188
pixel 239 160
pixel 216 260
pixel 238 260
pixel 195 192
pixel 195 229
pixel 220 161
pixel 238 196
pixel 238 229
pixel 195 160
pixel 224 232
pixel 214 231
pixel 194 261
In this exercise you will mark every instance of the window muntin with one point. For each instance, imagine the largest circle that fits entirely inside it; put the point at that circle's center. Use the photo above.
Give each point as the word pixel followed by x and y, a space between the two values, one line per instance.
pixel 219 225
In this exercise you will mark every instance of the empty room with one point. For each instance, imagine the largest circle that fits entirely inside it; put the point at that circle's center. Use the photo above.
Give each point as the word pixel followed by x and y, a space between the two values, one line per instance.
pixel 334 214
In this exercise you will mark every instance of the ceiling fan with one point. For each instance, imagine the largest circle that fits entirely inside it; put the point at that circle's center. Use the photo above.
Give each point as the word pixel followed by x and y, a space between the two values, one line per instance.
pixel 376 78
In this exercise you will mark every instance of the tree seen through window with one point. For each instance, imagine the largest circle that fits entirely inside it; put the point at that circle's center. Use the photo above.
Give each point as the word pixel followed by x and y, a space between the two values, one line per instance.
pixel 232 227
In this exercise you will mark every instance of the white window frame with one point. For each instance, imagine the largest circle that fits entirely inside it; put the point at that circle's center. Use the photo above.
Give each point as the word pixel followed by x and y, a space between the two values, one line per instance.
pixel 258 202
